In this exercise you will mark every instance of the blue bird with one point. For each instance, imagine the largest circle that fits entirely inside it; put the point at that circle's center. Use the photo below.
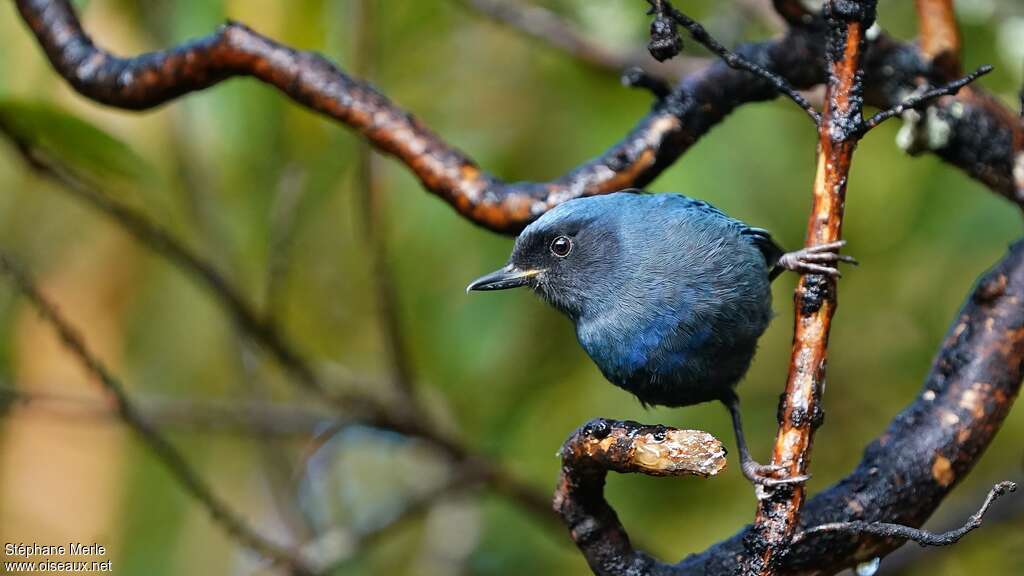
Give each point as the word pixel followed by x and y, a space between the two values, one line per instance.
pixel 668 294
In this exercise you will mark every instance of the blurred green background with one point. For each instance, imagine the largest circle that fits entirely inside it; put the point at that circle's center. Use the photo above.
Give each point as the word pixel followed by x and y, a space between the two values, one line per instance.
pixel 272 194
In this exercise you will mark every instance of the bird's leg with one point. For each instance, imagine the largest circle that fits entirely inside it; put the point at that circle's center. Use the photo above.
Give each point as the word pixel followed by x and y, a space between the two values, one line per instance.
pixel 820 259
pixel 760 474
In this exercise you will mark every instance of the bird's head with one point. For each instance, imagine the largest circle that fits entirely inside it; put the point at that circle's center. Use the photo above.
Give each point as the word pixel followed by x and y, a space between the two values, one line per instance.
pixel 569 256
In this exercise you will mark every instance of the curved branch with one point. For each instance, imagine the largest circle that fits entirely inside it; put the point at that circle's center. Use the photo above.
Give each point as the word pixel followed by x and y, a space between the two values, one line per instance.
pixel 600 446
pixel 980 133
pixel 658 139
pixel 927 449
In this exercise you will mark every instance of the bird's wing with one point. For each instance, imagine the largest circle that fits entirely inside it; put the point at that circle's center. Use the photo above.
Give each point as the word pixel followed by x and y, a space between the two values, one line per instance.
pixel 766 244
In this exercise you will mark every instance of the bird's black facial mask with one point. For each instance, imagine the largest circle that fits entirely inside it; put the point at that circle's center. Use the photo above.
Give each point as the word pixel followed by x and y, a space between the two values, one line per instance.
pixel 558 257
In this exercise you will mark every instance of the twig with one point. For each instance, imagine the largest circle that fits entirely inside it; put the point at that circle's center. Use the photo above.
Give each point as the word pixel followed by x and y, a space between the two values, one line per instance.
pixel 922 537
pixel 1004 515
pixel 355 406
pixel 940 35
pixel 169 456
pixel 229 416
pixel 663 9
pixel 552 29
pixel 815 302
pixel 166 245
pixel 600 446
pixel 637 77
pixel 926 450
pixel 919 101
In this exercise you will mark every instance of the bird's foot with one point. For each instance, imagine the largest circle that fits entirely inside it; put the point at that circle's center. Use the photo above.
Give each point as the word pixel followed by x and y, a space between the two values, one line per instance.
pixel 820 259
pixel 770 475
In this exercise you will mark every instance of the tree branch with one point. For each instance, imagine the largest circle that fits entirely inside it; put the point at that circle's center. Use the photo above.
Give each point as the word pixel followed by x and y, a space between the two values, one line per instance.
pixel 542 24
pixel 665 11
pixel 919 101
pixel 600 446
pixel 940 35
pixel 980 133
pixel 221 513
pixel 355 406
pixel 247 418
pixel 926 449
pixel 778 513
pixel 922 537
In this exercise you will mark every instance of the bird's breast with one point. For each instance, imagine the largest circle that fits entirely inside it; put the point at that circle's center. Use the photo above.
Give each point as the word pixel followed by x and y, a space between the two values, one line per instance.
pixel 657 347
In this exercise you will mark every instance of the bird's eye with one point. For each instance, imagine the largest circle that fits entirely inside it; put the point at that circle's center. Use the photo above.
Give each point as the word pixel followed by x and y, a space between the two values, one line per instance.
pixel 561 246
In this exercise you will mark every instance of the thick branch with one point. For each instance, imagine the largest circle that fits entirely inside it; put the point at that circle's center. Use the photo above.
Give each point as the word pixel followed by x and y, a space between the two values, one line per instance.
pixel 927 449
pixel 600 446
pixel 980 132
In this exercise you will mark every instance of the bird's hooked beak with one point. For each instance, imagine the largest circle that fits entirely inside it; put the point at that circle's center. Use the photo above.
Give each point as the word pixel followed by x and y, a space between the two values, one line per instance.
pixel 508 277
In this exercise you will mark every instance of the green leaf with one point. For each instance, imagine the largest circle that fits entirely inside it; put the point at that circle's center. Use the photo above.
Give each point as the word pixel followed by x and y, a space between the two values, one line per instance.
pixel 71 140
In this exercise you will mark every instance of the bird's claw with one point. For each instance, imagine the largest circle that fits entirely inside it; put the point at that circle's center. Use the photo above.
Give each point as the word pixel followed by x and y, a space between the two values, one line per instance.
pixel 770 475
pixel 814 260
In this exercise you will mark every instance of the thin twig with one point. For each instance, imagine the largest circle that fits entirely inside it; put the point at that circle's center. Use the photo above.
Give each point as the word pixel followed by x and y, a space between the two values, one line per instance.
pixel 664 8
pixel 552 29
pixel 919 101
pixel 169 247
pixel 169 456
pixel 922 537
pixel 356 406
pixel 637 77
pixel 1006 515
pixel 246 418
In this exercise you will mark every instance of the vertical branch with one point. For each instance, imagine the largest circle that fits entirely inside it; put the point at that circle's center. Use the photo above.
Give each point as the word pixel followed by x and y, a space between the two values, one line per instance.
pixel 779 513
pixel 940 36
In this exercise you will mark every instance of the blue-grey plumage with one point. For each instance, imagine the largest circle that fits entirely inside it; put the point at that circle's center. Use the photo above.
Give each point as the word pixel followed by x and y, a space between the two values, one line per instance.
pixel 668 294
